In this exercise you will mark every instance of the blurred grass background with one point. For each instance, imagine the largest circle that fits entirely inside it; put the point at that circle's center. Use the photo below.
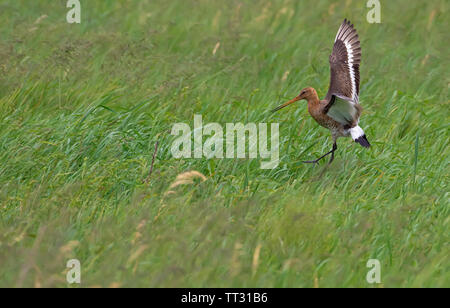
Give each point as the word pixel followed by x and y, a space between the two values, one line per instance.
pixel 82 107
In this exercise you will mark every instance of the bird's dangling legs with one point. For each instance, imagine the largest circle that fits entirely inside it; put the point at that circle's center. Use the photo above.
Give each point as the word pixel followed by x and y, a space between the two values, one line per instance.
pixel 331 152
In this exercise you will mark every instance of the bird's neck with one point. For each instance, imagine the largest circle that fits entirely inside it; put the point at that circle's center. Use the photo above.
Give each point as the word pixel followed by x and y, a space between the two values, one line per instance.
pixel 313 100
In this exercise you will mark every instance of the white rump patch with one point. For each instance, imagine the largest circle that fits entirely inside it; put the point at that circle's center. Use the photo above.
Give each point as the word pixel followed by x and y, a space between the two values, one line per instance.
pixel 356 132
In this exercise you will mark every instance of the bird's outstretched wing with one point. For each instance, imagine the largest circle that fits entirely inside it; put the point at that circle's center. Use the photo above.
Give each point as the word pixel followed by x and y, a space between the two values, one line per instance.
pixel 343 94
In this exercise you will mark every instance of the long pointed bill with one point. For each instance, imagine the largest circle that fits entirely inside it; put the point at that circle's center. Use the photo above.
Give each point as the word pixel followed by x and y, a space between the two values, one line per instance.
pixel 287 104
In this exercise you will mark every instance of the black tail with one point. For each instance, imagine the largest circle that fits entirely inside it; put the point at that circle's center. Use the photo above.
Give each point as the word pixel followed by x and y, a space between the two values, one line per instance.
pixel 363 141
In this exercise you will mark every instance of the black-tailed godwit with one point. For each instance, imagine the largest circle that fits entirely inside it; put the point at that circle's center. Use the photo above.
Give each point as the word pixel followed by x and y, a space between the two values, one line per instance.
pixel 340 110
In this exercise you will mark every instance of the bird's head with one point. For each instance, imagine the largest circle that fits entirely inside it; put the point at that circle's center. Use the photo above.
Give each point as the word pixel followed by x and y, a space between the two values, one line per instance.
pixel 306 93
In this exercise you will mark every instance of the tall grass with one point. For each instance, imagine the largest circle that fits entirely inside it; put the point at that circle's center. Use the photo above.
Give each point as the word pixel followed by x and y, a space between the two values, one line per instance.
pixel 82 107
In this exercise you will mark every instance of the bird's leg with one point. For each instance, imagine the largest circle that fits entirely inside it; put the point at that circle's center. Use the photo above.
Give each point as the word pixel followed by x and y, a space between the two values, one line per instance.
pixel 331 152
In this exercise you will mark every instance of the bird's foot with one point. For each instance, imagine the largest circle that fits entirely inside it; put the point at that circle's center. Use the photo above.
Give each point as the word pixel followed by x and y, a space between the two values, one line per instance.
pixel 317 160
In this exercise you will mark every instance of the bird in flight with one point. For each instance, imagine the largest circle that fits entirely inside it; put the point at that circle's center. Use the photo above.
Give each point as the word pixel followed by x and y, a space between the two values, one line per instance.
pixel 340 110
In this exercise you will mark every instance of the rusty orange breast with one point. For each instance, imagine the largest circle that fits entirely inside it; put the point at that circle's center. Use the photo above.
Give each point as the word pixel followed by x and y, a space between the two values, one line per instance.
pixel 315 109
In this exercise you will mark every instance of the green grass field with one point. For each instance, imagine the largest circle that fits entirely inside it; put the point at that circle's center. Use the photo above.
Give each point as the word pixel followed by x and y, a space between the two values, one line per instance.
pixel 83 105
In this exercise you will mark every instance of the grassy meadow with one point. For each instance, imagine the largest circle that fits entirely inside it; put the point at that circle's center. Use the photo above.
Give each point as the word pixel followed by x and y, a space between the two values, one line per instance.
pixel 82 107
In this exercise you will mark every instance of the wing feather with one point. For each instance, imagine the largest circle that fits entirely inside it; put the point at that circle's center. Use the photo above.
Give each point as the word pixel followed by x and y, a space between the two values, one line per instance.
pixel 343 94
